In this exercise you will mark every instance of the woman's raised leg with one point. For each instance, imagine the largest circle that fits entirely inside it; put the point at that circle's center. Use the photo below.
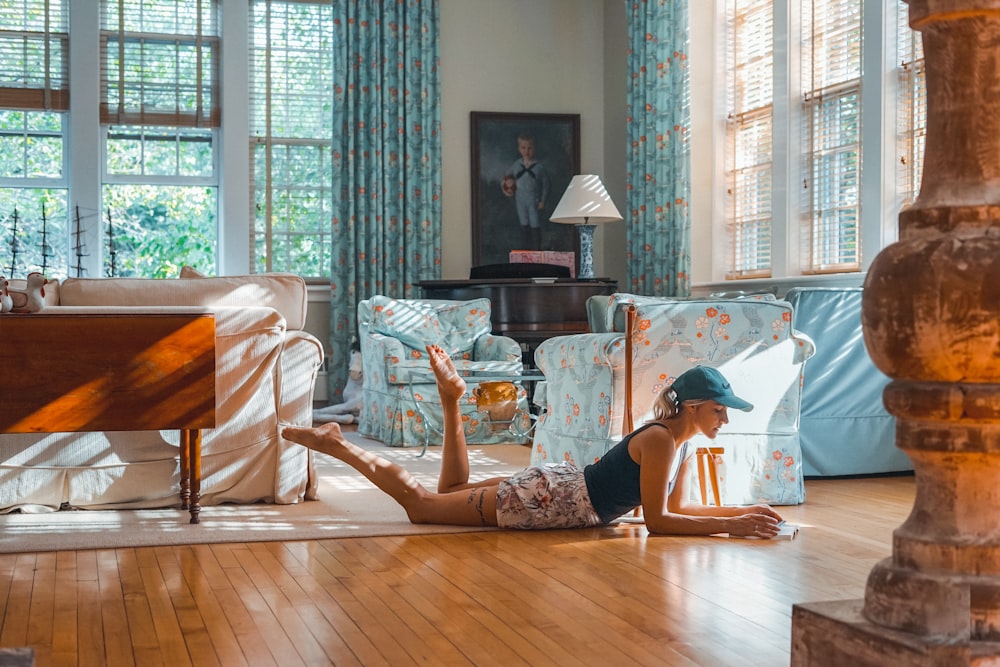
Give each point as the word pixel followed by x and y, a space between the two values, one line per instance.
pixel 454 449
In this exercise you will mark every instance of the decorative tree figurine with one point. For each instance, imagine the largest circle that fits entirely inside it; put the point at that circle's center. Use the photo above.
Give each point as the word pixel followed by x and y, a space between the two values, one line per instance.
pixel 12 269
pixel 46 249
pixel 111 247
pixel 79 248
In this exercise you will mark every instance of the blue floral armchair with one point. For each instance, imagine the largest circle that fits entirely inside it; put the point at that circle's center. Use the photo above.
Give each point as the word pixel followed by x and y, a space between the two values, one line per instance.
pixel 400 404
pixel 749 339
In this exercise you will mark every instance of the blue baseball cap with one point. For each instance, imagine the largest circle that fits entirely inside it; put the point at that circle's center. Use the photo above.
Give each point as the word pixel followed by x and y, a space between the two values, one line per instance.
pixel 707 383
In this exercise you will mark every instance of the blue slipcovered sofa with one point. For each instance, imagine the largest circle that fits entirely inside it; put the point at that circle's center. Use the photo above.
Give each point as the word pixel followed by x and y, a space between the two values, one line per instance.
pixel 844 428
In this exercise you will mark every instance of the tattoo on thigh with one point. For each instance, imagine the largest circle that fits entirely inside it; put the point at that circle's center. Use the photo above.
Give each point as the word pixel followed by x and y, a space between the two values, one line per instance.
pixel 479 503
pixel 480 506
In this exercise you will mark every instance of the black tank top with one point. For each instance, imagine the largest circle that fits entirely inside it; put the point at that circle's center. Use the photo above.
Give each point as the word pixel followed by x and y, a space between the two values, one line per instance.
pixel 613 481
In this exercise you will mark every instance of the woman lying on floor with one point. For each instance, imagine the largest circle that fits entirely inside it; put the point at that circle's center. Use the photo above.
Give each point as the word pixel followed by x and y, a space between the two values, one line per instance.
pixel 638 471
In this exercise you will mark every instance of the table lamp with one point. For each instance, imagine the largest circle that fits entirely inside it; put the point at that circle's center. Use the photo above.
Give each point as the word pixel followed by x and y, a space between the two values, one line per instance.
pixel 585 204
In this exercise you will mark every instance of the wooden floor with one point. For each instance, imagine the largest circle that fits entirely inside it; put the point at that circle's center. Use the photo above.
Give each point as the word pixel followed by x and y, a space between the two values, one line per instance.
pixel 609 596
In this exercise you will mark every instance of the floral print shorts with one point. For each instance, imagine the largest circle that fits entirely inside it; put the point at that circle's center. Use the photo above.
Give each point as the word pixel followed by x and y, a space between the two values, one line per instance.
pixel 549 496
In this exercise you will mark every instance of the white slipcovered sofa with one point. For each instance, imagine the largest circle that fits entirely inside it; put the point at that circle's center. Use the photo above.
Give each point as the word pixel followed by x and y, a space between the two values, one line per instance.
pixel 266 368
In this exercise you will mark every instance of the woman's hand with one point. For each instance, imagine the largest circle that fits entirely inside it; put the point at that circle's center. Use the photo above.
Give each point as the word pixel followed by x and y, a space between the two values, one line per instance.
pixel 762 509
pixel 759 525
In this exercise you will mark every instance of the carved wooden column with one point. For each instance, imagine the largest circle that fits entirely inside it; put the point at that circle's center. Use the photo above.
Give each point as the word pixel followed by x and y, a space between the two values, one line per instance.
pixel 931 317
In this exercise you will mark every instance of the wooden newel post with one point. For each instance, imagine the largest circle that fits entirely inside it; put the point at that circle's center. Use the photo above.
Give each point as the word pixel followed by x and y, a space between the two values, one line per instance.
pixel 931 318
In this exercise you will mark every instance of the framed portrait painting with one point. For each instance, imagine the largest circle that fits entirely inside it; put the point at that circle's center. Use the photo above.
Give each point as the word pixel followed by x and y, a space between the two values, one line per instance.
pixel 521 166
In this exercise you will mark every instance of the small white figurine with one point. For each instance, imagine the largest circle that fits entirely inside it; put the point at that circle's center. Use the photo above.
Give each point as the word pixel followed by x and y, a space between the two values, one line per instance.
pixel 348 411
pixel 6 301
pixel 32 298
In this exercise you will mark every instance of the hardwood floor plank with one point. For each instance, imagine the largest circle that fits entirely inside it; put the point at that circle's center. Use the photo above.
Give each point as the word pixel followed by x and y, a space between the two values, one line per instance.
pixel 8 563
pixel 139 614
pixel 65 630
pixel 16 613
pixel 374 646
pixel 244 627
pixel 476 632
pixel 545 574
pixel 315 638
pixel 89 620
pixel 254 593
pixel 166 595
pixel 114 619
pixel 554 621
pixel 273 586
pixel 369 612
pixel 200 568
pixel 425 644
pixel 444 607
pixel 41 612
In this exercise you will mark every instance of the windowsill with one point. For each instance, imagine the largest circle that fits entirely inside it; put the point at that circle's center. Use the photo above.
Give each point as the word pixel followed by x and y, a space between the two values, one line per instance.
pixel 318 291
pixel 779 285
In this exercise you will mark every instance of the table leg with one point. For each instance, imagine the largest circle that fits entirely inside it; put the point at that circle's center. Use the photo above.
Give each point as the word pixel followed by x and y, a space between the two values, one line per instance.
pixel 194 456
pixel 185 469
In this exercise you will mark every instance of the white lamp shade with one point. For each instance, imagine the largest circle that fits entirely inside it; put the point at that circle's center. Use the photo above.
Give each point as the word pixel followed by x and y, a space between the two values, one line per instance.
pixel 585 202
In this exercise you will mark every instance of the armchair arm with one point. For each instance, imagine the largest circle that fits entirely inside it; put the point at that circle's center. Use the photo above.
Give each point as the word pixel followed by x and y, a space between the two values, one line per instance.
pixel 580 350
pixel 380 355
pixel 490 347
pixel 805 347
pixel 583 395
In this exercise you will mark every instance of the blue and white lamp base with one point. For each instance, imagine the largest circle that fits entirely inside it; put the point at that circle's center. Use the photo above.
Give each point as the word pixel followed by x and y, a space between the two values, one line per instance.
pixel 586 252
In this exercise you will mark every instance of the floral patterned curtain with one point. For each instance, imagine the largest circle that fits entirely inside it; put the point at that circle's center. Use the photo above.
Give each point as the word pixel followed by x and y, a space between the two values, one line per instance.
pixel 658 232
pixel 387 159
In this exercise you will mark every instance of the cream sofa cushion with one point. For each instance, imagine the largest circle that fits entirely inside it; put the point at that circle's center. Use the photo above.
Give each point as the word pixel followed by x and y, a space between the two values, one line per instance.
pixel 285 293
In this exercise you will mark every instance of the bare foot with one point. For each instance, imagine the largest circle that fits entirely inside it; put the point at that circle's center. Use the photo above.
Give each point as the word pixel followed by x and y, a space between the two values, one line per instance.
pixel 327 438
pixel 450 384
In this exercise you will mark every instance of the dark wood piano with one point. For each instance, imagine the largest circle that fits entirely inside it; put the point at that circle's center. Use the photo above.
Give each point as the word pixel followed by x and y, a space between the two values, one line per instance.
pixel 528 310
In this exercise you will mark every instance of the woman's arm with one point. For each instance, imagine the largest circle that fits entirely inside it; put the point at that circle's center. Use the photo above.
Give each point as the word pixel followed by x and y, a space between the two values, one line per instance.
pixel 670 516
pixel 680 502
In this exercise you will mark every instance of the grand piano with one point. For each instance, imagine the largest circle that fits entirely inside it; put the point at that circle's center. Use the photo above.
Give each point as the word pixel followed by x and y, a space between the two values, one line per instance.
pixel 529 310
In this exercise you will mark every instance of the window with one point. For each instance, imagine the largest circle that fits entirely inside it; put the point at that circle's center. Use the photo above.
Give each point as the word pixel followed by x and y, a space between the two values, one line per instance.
pixel 748 139
pixel 34 87
pixel 912 106
pixel 807 171
pixel 159 110
pixel 831 80
pixel 152 170
pixel 291 61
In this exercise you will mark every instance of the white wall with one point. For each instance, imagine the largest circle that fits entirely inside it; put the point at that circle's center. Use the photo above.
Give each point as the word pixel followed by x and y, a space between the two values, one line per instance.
pixel 707 202
pixel 533 56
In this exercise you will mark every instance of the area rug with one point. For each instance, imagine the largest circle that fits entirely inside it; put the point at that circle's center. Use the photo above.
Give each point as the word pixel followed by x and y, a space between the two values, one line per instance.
pixel 348 506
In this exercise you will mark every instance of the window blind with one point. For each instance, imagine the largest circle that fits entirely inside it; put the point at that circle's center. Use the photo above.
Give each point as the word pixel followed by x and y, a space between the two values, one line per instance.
pixel 832 127
pixel 911 107
pixel 750 70
pixel 160 63
pixel 34 52
pixel 291 102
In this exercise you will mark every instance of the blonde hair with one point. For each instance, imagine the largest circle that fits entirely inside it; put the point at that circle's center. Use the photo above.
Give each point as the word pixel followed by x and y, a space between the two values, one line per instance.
pixel 667 406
